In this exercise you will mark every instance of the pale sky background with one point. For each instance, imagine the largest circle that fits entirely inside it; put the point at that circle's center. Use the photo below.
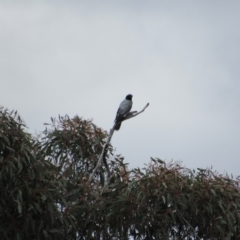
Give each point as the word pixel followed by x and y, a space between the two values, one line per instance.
pixel 84 57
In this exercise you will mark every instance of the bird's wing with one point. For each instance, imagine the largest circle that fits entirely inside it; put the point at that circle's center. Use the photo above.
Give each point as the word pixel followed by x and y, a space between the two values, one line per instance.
pixel 123 109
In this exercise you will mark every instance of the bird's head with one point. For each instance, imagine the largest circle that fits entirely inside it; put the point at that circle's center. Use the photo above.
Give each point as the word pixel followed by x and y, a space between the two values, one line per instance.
pixel 129 97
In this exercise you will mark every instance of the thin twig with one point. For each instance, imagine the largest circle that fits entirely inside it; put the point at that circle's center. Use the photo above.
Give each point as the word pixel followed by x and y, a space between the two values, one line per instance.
pixel 107 182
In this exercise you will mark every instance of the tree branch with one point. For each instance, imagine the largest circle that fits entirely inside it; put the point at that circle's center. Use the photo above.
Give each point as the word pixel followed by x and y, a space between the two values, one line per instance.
pixel 134 113
pixel 104 151
pixel 105 148
pixel 194 231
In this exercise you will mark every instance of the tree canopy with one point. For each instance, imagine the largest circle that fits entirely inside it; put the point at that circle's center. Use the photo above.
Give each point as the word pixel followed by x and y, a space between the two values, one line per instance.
pixel 45 193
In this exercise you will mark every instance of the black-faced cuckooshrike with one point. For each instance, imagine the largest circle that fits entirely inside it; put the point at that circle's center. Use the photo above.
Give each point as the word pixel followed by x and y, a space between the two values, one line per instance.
pixel 123 110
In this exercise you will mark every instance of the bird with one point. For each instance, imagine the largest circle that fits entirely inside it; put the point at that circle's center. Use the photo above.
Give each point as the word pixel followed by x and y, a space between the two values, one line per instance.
pixel 123 110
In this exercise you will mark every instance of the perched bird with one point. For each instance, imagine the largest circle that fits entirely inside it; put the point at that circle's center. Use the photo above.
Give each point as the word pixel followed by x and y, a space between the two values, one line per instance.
pixel 123 110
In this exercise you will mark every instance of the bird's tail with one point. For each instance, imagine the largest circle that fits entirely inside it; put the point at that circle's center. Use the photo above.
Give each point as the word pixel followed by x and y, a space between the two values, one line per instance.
pixel 117 125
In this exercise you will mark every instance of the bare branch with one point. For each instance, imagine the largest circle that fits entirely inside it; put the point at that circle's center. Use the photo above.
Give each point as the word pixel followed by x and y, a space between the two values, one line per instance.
pixel 100 160
pixel 105 148
pixel 134 113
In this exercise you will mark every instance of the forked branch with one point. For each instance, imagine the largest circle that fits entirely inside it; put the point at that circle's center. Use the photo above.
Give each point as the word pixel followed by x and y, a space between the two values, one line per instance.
pixel 134 113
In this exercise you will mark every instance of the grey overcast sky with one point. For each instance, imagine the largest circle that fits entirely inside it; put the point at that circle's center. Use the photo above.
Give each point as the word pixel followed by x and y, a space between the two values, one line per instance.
pixel 83 57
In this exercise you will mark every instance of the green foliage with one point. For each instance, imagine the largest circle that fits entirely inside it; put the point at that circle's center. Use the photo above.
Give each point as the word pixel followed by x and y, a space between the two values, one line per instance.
pixel 74 146
pixel 44 193
pixel 27 186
